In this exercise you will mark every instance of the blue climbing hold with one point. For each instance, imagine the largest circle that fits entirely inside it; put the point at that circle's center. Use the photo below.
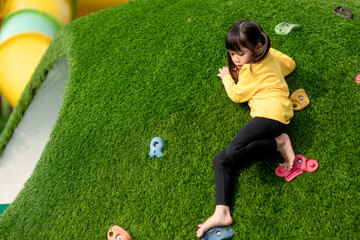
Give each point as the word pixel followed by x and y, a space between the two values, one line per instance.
pixel 156 147
pixel 218 233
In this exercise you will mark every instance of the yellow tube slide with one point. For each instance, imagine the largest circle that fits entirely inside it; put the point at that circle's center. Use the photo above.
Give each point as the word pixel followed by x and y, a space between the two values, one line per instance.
pixel 26 33
pixel 59 9
pixel 19 56
pixel 24 42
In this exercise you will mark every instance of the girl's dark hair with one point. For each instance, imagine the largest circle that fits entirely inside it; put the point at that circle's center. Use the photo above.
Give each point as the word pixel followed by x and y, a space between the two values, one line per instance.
pixel 247 34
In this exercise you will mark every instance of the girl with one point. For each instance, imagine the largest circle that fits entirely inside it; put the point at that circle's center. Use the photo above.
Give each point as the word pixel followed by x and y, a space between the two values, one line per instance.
pixel 255 74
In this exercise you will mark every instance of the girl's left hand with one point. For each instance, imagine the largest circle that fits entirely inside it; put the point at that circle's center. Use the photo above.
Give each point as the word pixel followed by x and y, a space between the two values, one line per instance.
pixel 223 72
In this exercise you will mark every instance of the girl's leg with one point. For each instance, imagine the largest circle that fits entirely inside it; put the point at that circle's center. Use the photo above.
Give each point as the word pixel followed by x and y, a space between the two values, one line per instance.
pixel 249 144
pixel 224 178
pixel 223 189
pixel 256 138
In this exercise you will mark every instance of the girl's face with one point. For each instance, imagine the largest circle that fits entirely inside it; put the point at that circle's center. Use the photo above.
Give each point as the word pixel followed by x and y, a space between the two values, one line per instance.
pixel 241 57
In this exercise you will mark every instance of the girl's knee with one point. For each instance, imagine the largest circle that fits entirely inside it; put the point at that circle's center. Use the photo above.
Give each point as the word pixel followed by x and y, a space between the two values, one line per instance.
pixel 217 161
pixel 233 153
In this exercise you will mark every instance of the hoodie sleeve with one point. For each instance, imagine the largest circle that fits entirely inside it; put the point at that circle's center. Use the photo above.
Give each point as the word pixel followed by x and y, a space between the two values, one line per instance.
pixel 286 64
pixel 244 89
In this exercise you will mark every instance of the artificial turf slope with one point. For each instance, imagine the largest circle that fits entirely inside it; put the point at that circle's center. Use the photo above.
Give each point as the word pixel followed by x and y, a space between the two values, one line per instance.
pixel 148 68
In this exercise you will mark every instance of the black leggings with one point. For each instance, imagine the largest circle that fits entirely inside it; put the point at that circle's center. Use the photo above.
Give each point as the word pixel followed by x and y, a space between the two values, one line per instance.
pixel 255 139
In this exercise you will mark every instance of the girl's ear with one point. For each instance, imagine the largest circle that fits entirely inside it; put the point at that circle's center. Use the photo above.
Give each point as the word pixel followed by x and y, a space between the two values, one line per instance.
pixel 258 48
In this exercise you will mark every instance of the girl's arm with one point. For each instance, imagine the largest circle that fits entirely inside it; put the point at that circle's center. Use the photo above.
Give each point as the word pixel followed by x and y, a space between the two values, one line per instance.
pixel 240 92
pixel 286 63
pixel 223 72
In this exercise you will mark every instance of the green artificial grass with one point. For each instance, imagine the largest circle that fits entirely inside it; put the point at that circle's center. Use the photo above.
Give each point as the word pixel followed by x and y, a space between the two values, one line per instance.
pixel 148 68
pixel 4 113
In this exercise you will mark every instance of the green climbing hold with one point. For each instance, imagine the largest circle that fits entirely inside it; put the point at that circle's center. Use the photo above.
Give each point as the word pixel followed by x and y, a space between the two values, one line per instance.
pixel 285 28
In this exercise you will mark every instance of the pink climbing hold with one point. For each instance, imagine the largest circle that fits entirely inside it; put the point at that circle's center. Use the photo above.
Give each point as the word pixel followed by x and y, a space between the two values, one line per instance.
pixel 301 165
pixel 357 79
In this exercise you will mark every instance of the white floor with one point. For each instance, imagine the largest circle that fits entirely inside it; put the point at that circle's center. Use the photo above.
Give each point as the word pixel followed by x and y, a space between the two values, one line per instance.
pixel 24 149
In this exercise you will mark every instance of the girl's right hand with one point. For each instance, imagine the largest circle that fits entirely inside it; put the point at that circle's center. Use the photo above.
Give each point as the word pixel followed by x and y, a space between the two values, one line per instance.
pixel 223 72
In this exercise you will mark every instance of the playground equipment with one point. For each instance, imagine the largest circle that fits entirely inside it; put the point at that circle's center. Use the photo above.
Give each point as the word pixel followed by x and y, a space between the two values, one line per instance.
pixel 27 30
pixel 3 208
pixel 19 56
pixel 357 79
pixel 59 10
pixel 85 7
pixel 301 165
pixel 118 233
pixel 285 28
pixel 218 233
pixel 156 146
pixel 343 12
pixel 28 27
pixel 300 99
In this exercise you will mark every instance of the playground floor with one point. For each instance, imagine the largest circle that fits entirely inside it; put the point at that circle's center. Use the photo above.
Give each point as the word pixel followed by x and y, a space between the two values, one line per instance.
pixel 33 132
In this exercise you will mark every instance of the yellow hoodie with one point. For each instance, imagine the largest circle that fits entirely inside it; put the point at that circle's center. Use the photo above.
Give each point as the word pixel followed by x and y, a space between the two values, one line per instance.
pixel 264 87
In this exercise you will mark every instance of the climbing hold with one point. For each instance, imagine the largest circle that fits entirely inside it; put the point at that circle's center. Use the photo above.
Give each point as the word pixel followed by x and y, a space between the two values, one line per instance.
pixel 357 79
pixel 156 146
pixel 299 99
pixel 285 28
pixel 343 12
pixel 301 165
pixel 218 233
pixel 118 233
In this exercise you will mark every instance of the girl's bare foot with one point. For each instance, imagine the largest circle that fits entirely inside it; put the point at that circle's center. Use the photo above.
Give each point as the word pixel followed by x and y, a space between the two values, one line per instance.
pixel 220 218
pixel 285 148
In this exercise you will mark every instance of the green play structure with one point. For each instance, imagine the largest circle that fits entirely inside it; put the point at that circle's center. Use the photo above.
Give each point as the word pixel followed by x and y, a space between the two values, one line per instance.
pixel 148 68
